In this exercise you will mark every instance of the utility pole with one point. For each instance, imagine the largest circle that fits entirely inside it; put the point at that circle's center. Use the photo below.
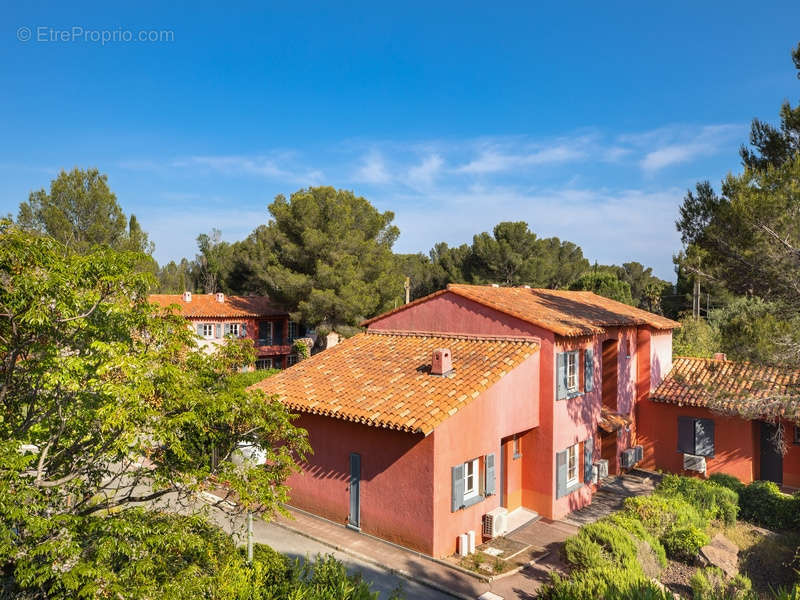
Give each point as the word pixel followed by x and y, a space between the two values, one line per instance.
pixel 407 286
pixel 696 299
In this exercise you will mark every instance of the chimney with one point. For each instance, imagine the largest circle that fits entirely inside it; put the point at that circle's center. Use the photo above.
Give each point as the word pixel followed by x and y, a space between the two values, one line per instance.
pixel 442 362
pixel 187 296
pixel 720 356
pixel 220 297
pixel 525 287
pixel 495 285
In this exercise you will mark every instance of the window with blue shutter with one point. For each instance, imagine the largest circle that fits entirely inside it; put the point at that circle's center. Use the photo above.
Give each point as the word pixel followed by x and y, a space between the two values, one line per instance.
pixel 561 474
pixel 219 331
pixel 588 369
pixel 561 375
pixel 200 329
pixel 696 436
pixel 242 329
pixel 457 487
pixel 227 329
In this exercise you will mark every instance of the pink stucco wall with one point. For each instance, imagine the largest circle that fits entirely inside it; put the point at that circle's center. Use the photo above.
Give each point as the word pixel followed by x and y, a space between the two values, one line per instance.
pixel 508 407
pixel 660 356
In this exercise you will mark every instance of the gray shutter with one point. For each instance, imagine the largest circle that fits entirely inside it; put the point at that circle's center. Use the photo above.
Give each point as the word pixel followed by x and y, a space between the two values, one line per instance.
pixel 561 375
pixel 704 437
pixel 489 486
pixel 686 435
pixel 588 370
pixel 219 330
pixel 561 474
pixel 588 457
pixel 227 329
pixel 457 499
pixel 199 329
pixel 242 329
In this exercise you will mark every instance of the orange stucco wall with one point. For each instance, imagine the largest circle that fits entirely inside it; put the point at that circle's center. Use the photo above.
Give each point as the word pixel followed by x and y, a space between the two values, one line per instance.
pixel 510 406
pixel 396 479
pixel 735 440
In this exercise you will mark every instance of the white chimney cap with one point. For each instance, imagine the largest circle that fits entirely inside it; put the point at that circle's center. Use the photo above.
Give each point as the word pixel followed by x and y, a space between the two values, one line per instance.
pixel 495 285
pixel 220 297
pixel 187 296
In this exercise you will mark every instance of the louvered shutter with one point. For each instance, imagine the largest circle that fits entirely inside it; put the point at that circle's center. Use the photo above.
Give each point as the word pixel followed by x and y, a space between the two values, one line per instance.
pixel 242 329
pixel 704 437
pixel 561 375
pixel 561 474
pixel 218 330
pixel 490 485
pixel 200 329
pixel 588 369
pixel 227 328
pixel 686 435
pixel 457 487
pixel 588 457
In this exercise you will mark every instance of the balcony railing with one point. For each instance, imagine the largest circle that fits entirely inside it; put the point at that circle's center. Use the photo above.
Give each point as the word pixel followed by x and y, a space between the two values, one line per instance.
pixel 273 340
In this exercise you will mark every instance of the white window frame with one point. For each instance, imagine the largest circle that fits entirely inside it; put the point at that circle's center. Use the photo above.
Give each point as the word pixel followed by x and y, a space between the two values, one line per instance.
pixel 208 331
pixel 471 478
pixel 264 361
pixel 573 465
pixel 573 377
pixel 293 335
pixel 233 329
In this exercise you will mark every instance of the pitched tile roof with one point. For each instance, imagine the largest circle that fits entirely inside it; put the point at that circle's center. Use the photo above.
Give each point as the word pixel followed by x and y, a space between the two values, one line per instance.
pixel 728 385
pixel 565 312
pixel 611 421
pixel 383 379
pixel 206 305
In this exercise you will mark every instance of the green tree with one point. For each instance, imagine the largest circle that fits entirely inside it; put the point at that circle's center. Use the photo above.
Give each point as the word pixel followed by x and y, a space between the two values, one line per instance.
pixel 176 278
pixel 80 211
pixel 695 337
pixel 106 400
pixel 604 283
pixel 214 263
pixel 328 257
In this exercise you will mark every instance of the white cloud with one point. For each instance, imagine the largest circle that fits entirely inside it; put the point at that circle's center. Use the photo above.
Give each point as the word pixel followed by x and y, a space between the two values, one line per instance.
pixel 259 166
pixel 425 172
pixel 494 160
pixel 681 144
pixel 373 170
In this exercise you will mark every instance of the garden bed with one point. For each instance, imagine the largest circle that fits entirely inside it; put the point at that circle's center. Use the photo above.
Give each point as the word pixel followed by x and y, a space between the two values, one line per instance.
pixel 499 556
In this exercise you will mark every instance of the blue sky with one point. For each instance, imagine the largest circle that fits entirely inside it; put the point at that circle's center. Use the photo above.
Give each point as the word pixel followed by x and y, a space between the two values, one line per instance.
pixel 587 120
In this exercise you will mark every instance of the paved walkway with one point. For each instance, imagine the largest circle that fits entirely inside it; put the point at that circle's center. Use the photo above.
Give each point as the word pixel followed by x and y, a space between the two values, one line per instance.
pixel 611 496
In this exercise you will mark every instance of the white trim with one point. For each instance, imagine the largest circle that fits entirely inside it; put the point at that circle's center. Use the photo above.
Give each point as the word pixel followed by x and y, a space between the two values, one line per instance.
pixel 208 331
pixel 471 478
pixel 572 361
pixel 574 458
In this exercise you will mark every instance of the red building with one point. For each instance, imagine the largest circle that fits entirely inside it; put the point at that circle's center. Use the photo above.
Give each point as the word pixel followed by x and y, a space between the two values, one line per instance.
pixel 681 433
pixel 217 316
pixel 470 400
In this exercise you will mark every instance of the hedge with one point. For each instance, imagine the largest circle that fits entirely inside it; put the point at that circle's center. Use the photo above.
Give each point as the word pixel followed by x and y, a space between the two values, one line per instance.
pixel 713 501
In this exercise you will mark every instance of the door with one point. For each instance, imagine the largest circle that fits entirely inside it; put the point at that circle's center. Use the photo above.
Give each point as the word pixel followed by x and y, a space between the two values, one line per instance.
pixel 608 450
pixel 354 519
pixel 610 375
pixel 771 458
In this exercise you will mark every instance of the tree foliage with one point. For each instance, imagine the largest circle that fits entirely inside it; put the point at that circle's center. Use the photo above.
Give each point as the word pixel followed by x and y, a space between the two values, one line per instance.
pixel 106 399
pixel 604 283
pixel 80 211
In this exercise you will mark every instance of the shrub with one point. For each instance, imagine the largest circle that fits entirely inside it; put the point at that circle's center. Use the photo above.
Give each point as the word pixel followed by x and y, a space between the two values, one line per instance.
pixel 711 584
pixel 660 513
pixel 727 481
pixel 609 583
pixel 616 544
pixel 683 543
pixel 712 501
pixel 584 553
pixel 634 526
pixel 763 503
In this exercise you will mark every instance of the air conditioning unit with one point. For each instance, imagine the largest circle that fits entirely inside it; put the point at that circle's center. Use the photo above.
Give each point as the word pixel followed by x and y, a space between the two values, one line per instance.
pixel 628 458
pixel 495 522
pixel 692 462
pixel 595 473
pixel 602 468
pixel 639 453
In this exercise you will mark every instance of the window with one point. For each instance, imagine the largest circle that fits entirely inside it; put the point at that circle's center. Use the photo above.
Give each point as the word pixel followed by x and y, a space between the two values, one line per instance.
pixel 516 448
pixel 232 329
pixel 572 371
pixel 471 469
pixel 265 333
pixel 208 330
pixel 263 363
pixel 696 436
pixel 797 434
pixel 572 465
pixel 292 359
pixel 294 330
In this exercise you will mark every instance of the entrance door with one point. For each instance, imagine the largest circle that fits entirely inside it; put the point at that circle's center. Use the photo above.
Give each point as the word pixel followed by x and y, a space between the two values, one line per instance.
pixel 610 375
pixel 608 450
pixel 771 458
pixel 354 519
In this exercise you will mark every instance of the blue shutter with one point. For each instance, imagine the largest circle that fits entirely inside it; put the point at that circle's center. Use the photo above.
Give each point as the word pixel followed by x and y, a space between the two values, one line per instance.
pixel 588 457
pixel 218 330
pixel 457 487
pixel 227 329
pixel 561 375
pixel 686 435
pixel 200 329
pixel 242 329
pixel 704 437
pixel 489 485
pixel 588 369
pixel 561 474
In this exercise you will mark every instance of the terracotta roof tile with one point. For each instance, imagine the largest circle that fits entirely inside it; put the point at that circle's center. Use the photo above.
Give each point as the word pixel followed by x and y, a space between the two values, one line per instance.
pixel 726 384
pixel 383 379
pixel 206 305
pixel 565 312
